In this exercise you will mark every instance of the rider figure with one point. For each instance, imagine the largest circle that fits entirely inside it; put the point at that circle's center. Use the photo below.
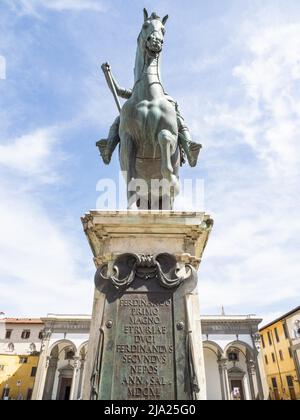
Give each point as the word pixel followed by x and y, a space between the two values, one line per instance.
pixel 187 146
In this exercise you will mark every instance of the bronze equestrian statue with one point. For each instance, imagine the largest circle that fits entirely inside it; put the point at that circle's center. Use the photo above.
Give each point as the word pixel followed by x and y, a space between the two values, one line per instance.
pixel 150 130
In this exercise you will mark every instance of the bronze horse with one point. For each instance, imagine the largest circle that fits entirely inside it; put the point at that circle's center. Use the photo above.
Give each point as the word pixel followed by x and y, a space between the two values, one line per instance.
pixel 148 126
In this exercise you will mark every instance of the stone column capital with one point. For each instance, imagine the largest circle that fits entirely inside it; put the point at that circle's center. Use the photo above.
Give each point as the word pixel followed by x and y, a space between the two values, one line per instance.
pixel 77 363
pixel 222 362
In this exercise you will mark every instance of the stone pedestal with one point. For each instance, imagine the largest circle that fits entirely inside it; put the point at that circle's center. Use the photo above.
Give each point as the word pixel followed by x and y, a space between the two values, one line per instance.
pixel 145 338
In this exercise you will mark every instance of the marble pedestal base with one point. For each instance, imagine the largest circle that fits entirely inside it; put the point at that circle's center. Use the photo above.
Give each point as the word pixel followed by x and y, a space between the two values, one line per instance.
pixel 145 339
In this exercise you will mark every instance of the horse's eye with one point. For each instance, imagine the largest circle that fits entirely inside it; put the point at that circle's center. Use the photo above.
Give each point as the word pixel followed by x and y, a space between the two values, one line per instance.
pixel 163 31
pixel 145 26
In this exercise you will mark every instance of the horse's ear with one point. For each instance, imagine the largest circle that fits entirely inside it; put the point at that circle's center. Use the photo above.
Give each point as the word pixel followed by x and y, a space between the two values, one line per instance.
pixel 145 14
pixel 165 19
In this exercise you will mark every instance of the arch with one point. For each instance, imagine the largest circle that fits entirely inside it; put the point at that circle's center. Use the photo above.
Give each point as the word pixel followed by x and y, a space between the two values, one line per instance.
pixel 10 347
pixel 32 348
pixel 236 343
pixel 219 350
pixel 82 347
pixel 212 353
pixel 57 343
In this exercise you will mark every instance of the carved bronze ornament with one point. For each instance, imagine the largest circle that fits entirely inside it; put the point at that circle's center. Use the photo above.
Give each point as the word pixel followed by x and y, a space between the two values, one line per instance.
pixel 163 267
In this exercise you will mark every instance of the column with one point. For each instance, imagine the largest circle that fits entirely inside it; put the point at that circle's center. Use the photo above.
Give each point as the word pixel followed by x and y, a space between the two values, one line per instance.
pixel 225 387
pixel 220 366
pixel 256 340
pixel 250 370
pixel 40 379
pixel 74 379
pixel 51 372
pixel 80 383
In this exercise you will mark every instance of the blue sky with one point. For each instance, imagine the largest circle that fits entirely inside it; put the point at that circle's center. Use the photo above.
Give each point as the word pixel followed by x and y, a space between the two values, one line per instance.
pixel 234 68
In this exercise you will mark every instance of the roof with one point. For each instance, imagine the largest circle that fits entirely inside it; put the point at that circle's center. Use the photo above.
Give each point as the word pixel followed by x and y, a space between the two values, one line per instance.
pixel 286 315
pixel 22 321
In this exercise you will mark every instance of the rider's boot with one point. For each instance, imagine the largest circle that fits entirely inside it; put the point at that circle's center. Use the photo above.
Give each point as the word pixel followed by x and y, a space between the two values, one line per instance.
pixel 190 148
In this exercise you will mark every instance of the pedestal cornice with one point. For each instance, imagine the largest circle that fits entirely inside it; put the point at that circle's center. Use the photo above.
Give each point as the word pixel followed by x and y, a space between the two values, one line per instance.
pixel 184 234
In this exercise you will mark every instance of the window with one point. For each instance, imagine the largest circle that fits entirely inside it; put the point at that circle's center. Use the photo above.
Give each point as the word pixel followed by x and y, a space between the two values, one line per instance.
pixel 285 330
pixel 25 334
pixel 263 341
pixel 5 393
pixel 276 335
pixel 290 383
pixel 273 357
pixel 8 334
pixel 23 360
pixel 275 389
pixel 33 372
pixel 280 354
pixel 233 356
pixel 69 354
pixel 266 360
pixel 41 334
pixel 269 338
pixel 290 353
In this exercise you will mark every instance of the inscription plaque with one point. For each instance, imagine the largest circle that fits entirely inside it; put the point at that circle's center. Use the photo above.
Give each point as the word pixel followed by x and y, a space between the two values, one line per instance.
pixel 144 348
pixel 144 343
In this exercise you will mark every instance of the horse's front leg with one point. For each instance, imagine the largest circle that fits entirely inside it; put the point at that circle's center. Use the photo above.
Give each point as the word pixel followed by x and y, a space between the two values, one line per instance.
pixel 167 142
pixel 127 163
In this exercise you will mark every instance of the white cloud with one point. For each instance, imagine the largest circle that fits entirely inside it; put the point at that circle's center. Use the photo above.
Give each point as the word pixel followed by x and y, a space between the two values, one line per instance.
pixel 32 6
pixel 39 261
pixel 31 153
pixel 267 116
pixel 252 151
pixel 39 264
pixel 2 67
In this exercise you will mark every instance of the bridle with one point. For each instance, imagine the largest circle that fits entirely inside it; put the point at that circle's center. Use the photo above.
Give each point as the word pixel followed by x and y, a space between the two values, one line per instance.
pixel 144 63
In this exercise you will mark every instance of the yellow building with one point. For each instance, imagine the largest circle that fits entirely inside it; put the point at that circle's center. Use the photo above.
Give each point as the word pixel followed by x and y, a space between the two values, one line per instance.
pixel 20 345
pixel 281 367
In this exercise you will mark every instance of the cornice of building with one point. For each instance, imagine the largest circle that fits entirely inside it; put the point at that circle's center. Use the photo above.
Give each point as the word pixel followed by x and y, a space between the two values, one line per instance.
pixel 281 318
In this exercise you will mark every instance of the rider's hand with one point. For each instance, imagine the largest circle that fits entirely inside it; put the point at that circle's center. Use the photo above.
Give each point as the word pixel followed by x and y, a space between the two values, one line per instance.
pixel 105 67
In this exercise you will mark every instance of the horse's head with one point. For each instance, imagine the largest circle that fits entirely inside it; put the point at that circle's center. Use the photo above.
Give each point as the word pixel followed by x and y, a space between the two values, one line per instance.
pixel 151 37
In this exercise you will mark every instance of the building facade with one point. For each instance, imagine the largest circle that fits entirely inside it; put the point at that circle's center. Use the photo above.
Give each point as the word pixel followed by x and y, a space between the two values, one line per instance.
pixel 62 360
pixel 281 350
pixel 232 358
pixel 293 327
pixel 20 345
pixel 230 352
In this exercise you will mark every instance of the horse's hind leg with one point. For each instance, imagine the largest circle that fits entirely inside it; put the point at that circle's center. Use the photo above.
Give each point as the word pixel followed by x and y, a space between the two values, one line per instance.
pixel 127 163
